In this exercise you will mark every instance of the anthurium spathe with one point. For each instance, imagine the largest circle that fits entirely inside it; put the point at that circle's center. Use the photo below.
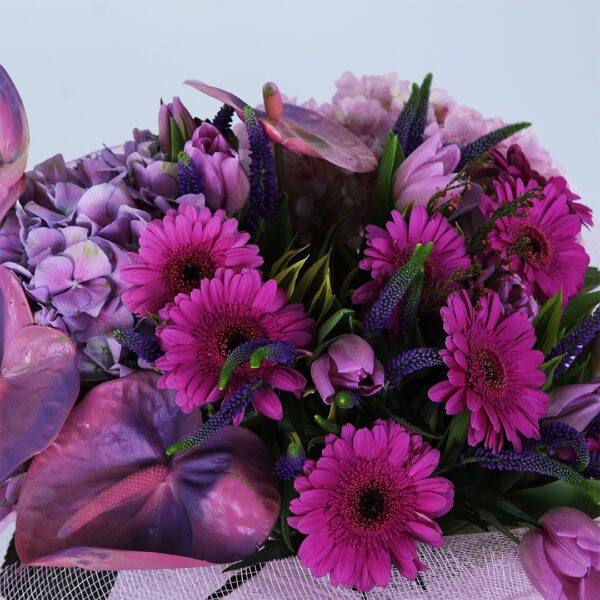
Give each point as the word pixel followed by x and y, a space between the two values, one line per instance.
pixel 39 382
pixel 14 143
pixel 301 130
pixel 105 495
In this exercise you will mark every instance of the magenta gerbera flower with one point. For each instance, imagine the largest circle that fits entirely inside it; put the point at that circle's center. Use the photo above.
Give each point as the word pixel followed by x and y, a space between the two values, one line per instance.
pixel 204 327
pixel 365 503
pixel 545 251
pixel 494 371
pixel 389 248
pixel 177 252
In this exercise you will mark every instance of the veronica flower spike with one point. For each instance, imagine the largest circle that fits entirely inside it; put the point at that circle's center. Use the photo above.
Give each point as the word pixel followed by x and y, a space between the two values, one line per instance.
pixel 301 130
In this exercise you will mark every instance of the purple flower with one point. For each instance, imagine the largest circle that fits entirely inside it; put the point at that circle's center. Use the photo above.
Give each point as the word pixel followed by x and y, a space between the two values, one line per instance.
pixel 516 296
pixel 43 242
pixel 76 281
pixel 100 358
pixel 225 182
pixel 562 560
pixel 349 364
pixel 109 212
pixel 183 119
pixel 430 168
pixel 576 405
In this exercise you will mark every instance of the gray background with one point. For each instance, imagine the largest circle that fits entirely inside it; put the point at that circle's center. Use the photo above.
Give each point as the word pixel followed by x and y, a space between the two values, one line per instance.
pixel 90 70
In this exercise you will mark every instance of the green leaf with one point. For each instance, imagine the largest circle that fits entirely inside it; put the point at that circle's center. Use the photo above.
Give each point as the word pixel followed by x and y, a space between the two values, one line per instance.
pixel 286 259
pixel 287 278
pixel 579 307
pixel 391 159
pixel 549 367
pixel 313 274
pixel 330 324
pixel 591 280
pixel 272 551
pixel 547 323
pixel 537 500
pixel 177 140
pixel 277 233
pixel 490 517
pixel 456 434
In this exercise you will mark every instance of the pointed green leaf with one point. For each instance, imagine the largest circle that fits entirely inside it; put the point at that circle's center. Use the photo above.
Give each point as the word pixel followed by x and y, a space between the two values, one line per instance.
pixel 330 324
pixel 177 140
pixel 312 275
pixel 549 367
pixel 579 307
pixel 591 280
pixel 547 323
pixel 391 159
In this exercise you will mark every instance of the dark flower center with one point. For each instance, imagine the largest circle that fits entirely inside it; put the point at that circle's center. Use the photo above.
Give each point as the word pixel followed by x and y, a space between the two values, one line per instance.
pixel 235 334
pixel 186 268
pixel 535 245
pixel 487 372
pixel 371 504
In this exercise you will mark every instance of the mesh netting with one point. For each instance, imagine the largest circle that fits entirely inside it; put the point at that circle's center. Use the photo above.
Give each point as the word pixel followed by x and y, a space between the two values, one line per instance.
pixel 469 567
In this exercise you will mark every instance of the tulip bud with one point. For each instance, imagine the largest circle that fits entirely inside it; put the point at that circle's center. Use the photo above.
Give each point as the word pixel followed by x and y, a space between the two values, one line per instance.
pixel 273 102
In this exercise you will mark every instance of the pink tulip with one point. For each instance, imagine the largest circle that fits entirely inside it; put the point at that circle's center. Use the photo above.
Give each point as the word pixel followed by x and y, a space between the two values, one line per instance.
pixel 348 365
pixel 14 143
pixel 427 170
pixel 562 560
pixel 301 130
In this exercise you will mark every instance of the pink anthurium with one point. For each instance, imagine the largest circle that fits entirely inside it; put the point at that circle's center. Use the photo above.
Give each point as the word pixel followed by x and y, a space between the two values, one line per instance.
pixel 105 495
pixel 14 143
pixel 39 382
pixel 301 130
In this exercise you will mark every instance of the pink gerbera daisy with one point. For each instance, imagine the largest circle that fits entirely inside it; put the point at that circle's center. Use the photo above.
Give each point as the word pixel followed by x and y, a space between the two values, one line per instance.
pixel 494 371
pixel 176 253
pixel 204 327
pixel 390 248
pixel 366 501
pixel 548 255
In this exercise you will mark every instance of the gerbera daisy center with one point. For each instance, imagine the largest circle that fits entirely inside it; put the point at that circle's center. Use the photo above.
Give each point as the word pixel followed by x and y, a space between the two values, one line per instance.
pixel 488 373
pixel 372 503
pixel 186 268
pixel 534 244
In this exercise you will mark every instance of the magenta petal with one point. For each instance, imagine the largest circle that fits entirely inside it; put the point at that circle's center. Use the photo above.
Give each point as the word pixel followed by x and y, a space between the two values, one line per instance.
pixel 108 488
pixel 39 384
pixel 14 308
pixel 14 143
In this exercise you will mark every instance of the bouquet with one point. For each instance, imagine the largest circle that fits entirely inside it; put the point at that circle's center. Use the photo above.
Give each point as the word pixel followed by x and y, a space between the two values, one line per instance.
pixel 339 331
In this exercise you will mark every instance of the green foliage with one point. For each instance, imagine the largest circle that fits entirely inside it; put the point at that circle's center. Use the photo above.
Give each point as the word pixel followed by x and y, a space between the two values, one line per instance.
pixel 330 324
pixel 178 139
pixel 547 323
pixel 578 308
pixel 591 280
pixel 390 161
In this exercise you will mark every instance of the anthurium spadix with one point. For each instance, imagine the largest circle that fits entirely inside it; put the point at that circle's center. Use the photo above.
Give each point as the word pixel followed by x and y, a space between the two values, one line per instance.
pixel 301 130
pixel 39 382
pixel 105 495
pixel 14 143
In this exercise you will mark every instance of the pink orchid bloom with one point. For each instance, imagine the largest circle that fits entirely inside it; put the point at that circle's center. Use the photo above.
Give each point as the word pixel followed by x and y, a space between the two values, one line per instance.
pixel 14 143
pixel 301 130
pixel 39 382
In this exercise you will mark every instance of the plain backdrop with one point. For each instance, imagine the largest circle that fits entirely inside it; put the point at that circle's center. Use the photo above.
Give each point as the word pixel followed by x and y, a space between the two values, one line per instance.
pixel 91 70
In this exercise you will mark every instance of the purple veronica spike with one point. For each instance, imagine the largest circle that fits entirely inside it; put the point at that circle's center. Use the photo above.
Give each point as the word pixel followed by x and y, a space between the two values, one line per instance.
pixel 280 352
pixel 232 406
pixel 410 362
pixel 575 342
pixel 263 179
pixel 555 436
pixel 534 462
pixel 394 291
pixel 289 465
pixel 411 304
pixel 190 180
pixel 238 356
pixel 222 120
pixel 593 469
pixel 146 347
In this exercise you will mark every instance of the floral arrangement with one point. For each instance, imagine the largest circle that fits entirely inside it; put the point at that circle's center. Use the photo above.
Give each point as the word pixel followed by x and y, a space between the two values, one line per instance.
pixel 333 331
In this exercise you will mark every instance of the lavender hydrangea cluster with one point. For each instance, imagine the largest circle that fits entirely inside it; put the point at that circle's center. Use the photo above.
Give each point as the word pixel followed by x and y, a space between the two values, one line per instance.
pixel 72 229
